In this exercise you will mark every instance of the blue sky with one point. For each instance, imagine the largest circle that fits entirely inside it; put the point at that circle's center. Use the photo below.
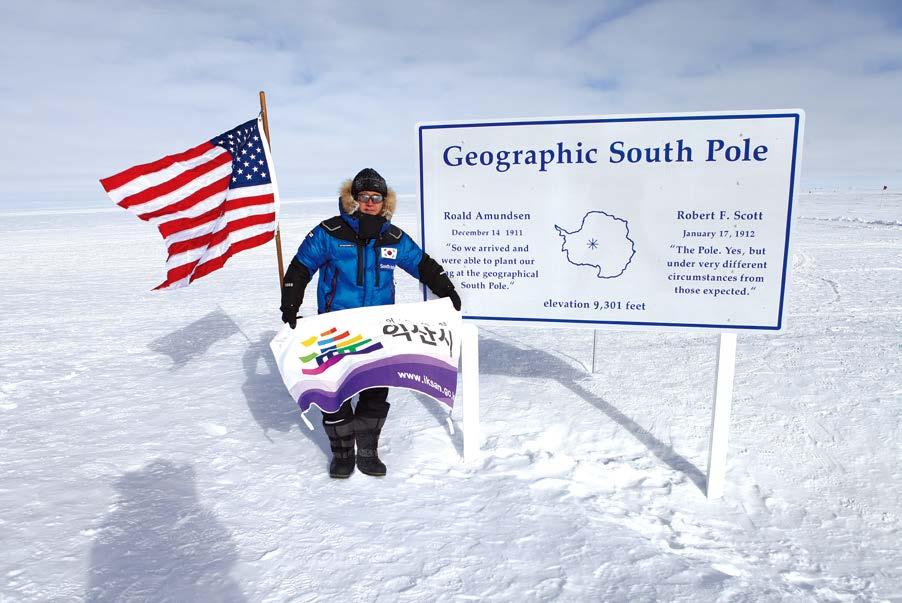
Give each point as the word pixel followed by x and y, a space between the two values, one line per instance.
pixel 90 88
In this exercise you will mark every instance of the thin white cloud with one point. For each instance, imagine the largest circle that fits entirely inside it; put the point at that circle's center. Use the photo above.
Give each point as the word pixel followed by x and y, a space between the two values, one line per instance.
pixel 93 87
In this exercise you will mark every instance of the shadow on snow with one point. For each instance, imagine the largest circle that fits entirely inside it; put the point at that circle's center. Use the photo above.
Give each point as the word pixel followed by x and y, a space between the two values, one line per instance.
pixel 437 410
pixel 267 399
pixel 159 543
pixel 193 341
pixel 499 358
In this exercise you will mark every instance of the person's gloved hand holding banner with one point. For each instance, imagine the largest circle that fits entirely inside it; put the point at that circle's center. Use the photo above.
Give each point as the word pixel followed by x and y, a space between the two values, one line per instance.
pixel 331 357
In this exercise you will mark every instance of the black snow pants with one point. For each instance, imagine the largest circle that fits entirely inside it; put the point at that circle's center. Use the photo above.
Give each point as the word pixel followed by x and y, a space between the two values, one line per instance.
pixel 372 403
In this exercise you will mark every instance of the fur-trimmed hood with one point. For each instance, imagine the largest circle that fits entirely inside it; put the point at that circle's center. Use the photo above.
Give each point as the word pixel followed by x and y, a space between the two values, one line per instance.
pixel 348 204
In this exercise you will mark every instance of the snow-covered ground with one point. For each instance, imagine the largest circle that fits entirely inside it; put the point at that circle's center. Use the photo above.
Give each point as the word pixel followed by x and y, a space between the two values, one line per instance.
pixel 149 451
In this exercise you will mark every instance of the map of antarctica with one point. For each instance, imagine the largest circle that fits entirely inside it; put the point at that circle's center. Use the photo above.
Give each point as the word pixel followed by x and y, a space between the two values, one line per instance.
pixel 601 242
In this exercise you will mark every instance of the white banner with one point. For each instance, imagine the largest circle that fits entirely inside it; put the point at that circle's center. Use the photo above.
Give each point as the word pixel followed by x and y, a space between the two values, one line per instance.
pixel 331 357
pixel 676 220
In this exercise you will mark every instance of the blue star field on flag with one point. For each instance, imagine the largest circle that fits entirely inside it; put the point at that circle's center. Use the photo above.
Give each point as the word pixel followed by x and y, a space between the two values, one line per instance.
pixel 249 167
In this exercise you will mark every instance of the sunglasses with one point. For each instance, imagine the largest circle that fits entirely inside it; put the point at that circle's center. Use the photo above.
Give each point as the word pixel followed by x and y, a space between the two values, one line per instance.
pixel 364 198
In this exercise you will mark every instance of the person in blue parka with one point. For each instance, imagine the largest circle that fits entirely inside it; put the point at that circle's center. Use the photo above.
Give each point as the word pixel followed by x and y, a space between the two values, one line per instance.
pixel 356 253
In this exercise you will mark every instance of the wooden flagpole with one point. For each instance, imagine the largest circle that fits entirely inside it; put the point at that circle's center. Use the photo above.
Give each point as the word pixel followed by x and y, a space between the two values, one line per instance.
pixel 278 235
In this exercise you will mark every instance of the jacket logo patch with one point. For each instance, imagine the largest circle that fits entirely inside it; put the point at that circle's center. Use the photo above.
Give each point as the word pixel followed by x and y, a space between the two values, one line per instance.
pixel 389 253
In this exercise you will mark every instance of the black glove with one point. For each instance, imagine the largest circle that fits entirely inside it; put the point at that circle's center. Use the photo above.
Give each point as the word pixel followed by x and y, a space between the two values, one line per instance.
pixel 290 316
pixel 455 299
pixel 433 276
pixel 296 278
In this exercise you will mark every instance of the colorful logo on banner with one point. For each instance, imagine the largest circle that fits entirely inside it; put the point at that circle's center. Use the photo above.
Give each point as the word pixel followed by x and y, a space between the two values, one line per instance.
pixel 332 348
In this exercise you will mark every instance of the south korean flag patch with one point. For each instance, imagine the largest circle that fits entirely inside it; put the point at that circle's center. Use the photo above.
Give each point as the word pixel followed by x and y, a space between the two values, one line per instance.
pixel 388 258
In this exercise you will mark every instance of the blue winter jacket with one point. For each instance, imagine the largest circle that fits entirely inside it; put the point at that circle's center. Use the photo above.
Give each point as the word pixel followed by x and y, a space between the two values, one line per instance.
pixel 355 273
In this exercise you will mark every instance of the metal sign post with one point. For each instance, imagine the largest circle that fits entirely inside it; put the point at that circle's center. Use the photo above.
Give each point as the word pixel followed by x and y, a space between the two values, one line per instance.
pixel 720 415
pixel 469 362
pixel 594 349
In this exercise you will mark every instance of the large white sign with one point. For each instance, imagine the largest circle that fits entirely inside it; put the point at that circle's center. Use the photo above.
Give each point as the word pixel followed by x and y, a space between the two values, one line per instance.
pixel 677 220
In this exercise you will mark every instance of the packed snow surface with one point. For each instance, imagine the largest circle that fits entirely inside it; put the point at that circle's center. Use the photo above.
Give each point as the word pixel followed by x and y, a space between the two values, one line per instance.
pixel 149 451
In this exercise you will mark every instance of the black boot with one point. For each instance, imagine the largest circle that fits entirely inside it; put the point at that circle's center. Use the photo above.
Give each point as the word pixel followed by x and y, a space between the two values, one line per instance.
pixel 339 427
pixel 367 430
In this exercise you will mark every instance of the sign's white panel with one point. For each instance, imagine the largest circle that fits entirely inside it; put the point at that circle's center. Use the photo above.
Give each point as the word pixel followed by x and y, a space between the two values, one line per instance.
pixel 678 220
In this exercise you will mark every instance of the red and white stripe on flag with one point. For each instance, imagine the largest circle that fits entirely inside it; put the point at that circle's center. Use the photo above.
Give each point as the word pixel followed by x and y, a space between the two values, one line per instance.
pixel 209 202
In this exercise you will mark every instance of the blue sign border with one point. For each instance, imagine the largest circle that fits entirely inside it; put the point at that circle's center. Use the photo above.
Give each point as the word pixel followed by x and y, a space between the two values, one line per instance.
pixel 792 176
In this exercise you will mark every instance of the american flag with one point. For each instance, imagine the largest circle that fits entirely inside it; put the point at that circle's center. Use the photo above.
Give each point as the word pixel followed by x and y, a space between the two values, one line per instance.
pixel 209 202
